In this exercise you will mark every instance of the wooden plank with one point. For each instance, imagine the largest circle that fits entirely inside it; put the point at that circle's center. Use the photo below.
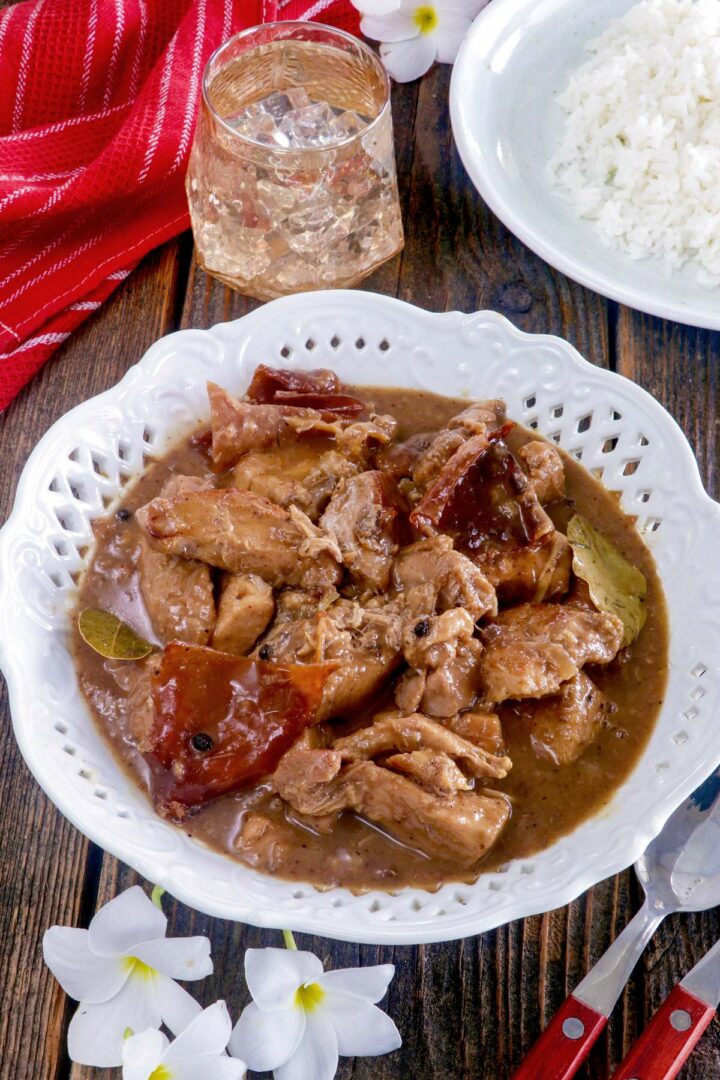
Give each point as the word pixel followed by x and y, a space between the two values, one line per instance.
pixel 680 366
pixel 42 857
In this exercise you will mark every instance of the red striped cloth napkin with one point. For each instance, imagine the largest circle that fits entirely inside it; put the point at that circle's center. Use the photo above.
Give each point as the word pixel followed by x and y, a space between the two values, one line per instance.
pixel 98 100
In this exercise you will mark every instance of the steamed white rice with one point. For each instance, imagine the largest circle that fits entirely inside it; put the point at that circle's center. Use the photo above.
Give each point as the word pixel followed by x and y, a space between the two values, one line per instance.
pixel 640 151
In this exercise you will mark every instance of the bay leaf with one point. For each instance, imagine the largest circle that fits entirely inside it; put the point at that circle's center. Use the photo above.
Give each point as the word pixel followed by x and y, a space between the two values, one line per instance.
pixel 616 586
pixel 110 636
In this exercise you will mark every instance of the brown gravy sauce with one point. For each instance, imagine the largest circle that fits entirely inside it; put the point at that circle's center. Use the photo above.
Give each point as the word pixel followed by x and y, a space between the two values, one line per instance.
pixel 547 801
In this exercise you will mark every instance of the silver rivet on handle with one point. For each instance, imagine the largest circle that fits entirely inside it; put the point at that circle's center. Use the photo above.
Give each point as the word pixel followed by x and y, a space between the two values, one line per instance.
pixel 573 1028
pixel 680 1019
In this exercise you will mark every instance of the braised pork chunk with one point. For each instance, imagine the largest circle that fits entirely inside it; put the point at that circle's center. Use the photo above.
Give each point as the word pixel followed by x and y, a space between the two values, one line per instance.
pixel 375 664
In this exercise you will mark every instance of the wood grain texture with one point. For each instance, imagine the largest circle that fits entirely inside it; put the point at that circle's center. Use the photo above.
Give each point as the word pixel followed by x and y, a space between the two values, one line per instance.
pixel 467 1010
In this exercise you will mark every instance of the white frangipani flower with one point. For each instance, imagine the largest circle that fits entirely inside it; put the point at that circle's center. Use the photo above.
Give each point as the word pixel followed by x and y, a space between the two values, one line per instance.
pixel 302 1018
pixel 198 1053
pixel 415 34
pixel 121 970
pixel 376 7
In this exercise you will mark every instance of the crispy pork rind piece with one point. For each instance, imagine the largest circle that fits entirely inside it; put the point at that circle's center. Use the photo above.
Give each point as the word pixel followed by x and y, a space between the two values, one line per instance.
pixel 221 722
pixel 243 534
pixel 529 651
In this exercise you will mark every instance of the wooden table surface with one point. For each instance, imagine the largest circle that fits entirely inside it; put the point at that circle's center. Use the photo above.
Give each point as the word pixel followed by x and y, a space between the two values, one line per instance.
pixel 467 1009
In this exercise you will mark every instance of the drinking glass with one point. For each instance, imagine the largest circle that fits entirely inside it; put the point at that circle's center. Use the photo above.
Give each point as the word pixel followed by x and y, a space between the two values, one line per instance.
pixel 292 181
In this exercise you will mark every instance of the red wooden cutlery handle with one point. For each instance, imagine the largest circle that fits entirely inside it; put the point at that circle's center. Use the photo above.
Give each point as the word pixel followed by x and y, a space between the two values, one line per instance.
pixel 668 1040
pixel 564 1044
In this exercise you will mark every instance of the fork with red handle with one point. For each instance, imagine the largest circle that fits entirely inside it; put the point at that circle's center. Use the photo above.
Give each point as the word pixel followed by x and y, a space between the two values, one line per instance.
pixel 679 871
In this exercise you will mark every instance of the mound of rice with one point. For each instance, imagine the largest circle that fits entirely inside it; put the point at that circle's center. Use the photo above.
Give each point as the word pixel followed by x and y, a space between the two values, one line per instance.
pixel 640 152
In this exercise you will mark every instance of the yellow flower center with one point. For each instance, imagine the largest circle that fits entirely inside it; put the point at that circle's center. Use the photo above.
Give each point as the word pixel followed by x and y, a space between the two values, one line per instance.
pixel 161 1073
pixel 310 996
pixel 425 18
pixel 138 970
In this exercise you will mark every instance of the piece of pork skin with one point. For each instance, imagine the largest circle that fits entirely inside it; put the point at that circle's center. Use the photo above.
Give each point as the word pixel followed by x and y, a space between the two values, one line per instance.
pixel 461 827
pixel 365 644
pixel 531 650
pixel 245 609
pixel 363 515
pixel 431 577
pixel 243 533
pixel 393 731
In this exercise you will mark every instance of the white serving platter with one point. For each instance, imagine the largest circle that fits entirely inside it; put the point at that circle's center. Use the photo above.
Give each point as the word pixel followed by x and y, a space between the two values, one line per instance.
pixel 81 466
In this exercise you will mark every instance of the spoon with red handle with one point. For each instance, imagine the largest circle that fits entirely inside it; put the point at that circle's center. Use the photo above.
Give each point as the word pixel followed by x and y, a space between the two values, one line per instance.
pixel 679 871
pixel 670 1037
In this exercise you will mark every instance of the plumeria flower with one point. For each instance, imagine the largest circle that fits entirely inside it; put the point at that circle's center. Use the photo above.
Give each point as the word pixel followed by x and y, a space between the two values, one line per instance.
pixel 121 969
pixel 376 7
pixel 302 1018
pixel 414 35
pixel 198 1053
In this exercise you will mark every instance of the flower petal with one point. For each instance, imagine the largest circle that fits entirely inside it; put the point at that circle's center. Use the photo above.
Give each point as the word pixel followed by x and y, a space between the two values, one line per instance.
pixel 376 7
pixel 370 983
pixel 177 1007
pixel 317 1053
pixel 362 1029
pixel 274 975
pixel 449 36
pixel 209 1068
pixel 408 60
pixel 180 958
pixel 128 920
pixel 393 27
pixel 266 1040
pixel 141 1054
pixel 81 974
pixel 208 1033
pixel 96 1032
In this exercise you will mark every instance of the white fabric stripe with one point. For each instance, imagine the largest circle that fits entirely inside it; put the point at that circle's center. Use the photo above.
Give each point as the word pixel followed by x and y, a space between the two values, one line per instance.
pixel 227 20
pixel 52 199
pixel 135 76
pixel 5 22
pixel 89 50
pixel 9 330
pixel 117 38
pixel 194 87
pixel 38 176
pixel 55 266
pixel 60 125
pixel 84 305
pixel 118 275
pixel 13 196
pixel 321 5
pixel 161 108
pixel 33 342
pixel 24 67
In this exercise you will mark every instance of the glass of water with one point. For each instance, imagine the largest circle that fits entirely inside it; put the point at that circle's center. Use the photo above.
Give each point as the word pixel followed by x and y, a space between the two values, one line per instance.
pixel 292 182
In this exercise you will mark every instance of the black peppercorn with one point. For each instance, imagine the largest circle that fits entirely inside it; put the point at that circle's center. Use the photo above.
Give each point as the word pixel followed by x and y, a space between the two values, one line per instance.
pixel 264 652
pixel 202 742
pixel 123 514
pixel 422 629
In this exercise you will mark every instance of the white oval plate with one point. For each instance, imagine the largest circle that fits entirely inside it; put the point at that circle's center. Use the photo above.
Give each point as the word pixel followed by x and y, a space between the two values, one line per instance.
pixel 81 465
pixel 517 55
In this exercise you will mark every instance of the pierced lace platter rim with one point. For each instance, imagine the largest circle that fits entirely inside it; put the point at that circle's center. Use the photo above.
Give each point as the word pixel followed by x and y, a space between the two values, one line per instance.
pixel 80 467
